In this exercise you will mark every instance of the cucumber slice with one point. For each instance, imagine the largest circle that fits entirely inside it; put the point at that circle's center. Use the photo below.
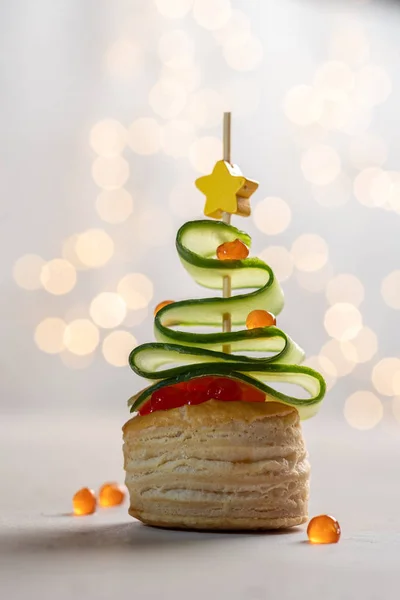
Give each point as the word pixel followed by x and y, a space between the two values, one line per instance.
pixel 180 354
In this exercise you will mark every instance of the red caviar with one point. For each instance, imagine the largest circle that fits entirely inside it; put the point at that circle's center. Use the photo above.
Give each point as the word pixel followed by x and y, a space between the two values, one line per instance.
pixel 235 250
pixel 260 318
pixel 84 502
pixel 111 494
pixel 199 390
pixel 161 305
pixel 323 529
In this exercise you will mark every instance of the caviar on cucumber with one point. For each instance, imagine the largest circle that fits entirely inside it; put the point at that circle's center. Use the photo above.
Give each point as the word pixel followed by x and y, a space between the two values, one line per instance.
pixel 180 355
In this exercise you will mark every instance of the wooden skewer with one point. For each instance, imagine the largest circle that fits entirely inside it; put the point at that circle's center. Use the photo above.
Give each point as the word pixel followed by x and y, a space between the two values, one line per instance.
pixel 226 217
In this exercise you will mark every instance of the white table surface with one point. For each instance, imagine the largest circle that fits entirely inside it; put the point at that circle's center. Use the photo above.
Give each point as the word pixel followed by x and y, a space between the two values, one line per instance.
pixel 46 553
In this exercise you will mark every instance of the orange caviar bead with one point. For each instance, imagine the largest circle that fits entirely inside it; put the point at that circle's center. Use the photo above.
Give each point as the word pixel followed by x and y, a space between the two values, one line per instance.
pixel 84 502
pixel 235 250
pixel 260 318
pixel 323 530
pixel 162 304
pixel 111 494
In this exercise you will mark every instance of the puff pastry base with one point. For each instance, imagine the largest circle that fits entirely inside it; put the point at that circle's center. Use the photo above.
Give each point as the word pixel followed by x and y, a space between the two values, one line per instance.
pixel 218 466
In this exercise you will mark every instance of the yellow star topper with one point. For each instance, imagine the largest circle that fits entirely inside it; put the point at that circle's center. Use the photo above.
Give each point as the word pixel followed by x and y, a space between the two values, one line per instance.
pixel 226 190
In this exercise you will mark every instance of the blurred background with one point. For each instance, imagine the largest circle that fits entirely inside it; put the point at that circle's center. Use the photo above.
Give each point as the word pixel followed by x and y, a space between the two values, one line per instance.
pixel 110 110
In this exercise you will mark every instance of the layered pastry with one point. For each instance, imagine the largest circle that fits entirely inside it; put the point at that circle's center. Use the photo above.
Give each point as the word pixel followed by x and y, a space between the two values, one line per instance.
pixel 215 441
pixel 218 465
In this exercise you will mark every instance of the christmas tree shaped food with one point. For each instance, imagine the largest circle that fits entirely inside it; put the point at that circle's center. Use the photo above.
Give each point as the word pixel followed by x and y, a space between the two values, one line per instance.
pixel 215 443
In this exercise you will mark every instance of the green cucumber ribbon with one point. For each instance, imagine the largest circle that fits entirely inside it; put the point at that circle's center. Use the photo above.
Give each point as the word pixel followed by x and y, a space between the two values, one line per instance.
pixel 181 354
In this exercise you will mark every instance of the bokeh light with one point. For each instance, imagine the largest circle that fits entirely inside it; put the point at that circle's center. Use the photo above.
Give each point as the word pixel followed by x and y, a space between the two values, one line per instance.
pixel 393 201
pixel 205 152
pixel 367 151
pixel 117 346
pixel 49 335
pixel 205 108
pixel 241 99
pixel 334 78
pixel 69 252
pixel 243 52
pixel 27 270
pixel 309 135
pixel 144 136
pixel 168 98
pixel 94 248
pixel 108 310
pixel 123 59
pixel 361 348
pixel 177 137
pixel 136 289
pixel 238 24
pixel 315 281
pixel 342 365
pixel 114 206
pixel 381 189
pixel 396 408
pixel 190 77
pixel 272 215
pixel 363 410
pixel 58 276
pixel 364 186
pixel 350 45
pixel 110 173
pixel 357 117
pixel 174 9
pixel 320 164
pixel 185 200
pixel 396 383
pixel 336 194
pixel 279 259
pixel 323 365
pixel 303 105
pixel 390 289
pixel 212 14
pixel 310 252
pixel 335 112
pixel 373 85
pixel 108 137
pixel 176 49
pixel 384 376
pixel 343 321
pixel 81 337
pixel 345 288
